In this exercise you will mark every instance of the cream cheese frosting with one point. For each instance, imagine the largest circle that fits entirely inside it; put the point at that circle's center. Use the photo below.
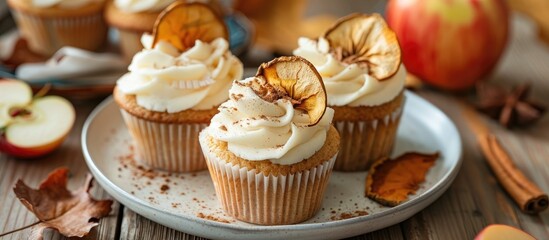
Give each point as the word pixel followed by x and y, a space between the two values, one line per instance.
pixel 133 6
pixel 256 129
pixel 349 84
pixel 165 80
pixel 62 3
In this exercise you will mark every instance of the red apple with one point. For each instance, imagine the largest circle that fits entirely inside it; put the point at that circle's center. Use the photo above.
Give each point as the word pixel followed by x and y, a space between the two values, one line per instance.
pixel 31 127
pixel 450 44
pixel 499 232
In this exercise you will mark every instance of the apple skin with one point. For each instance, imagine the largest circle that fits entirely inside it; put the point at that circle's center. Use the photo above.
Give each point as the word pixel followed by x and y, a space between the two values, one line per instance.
pixel 26 153
pixel 450 44
pixel 499 231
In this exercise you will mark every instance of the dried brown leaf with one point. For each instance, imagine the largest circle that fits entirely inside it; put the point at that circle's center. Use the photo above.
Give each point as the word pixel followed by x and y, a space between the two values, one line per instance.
pixel 73 214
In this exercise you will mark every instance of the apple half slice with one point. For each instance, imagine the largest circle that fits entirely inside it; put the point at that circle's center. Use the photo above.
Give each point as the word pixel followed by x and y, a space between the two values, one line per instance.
pixel 366 40
pixel 12 94
pixel 32 127
pixel 299 79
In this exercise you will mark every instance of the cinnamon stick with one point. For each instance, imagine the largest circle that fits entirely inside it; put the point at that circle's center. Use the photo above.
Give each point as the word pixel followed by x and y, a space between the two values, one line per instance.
pixel 525 193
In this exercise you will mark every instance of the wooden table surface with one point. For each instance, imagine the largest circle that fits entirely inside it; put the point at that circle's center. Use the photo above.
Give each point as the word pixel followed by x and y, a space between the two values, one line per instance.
pixel 474 200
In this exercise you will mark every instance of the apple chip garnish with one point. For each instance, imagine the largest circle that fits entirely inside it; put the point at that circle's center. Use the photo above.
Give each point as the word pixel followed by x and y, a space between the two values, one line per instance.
pixel 389 181
pixel 299 79
pixel 368 41
pixel 181 24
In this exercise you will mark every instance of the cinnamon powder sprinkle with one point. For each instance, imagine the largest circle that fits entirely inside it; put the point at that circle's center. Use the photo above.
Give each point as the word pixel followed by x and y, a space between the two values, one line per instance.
pixel 212 218
pixel 236 97
pixel 164 188
pixel 347 215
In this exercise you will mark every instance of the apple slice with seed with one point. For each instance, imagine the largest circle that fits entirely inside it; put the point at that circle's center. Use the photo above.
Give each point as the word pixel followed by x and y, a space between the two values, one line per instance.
pixel 299 79
pixel 181 24
pixel 368 41
pixel 32 127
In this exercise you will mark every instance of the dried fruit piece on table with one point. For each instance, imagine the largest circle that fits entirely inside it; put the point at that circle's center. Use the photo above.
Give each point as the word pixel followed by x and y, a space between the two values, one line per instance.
pixel 390 181
pixel 368 41
pixel 509 108
pixel 181 24
pixel 299 79
pixel 73 214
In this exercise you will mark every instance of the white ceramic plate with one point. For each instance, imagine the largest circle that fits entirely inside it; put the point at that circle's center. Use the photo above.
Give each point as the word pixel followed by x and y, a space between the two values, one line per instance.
pixel 187 202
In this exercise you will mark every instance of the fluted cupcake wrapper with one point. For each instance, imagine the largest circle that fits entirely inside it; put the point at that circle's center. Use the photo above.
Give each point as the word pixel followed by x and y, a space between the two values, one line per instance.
pixel 364 142
pixel 167 146
pixel 251 196
pixel 46 35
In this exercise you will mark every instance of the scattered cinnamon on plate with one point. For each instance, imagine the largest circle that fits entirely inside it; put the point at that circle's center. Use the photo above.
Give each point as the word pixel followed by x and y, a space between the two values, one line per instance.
pixel 390 181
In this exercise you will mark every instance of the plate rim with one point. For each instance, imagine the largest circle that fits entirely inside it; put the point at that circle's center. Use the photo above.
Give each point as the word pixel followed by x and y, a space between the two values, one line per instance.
pixel 436 190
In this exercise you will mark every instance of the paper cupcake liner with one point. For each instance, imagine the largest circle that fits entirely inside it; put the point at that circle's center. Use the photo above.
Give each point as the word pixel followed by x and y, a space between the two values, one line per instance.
pixel 165 146
pixel 47 35
pixel 364 142
pixel 130 43
pixel 251 196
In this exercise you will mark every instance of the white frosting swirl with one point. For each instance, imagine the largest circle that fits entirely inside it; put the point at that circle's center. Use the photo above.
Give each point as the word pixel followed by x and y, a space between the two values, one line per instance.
pixel 349 84
pixel 163 79
pixel 62 3
pixel 256 129
pixel 134 6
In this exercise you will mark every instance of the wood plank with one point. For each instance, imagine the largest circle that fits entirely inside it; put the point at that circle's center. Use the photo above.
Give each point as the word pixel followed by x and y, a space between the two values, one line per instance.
pixel 15 215
pixel 134 226
pixel 394 233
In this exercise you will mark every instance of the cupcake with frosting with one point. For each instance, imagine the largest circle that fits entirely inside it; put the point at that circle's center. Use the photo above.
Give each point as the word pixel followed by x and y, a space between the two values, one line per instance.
pixel 269 158
pixel 133 18
pixel 359 61
pixel 170 95
pixel 48 25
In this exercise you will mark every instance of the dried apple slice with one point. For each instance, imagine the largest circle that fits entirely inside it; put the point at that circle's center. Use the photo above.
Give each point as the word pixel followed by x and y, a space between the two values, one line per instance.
pixel 366 39
pixel 299 79
pixel 181 24
pixel 389 181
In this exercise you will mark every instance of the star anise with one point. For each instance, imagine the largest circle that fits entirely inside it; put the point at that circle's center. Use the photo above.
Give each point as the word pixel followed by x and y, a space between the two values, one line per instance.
pixel 510 108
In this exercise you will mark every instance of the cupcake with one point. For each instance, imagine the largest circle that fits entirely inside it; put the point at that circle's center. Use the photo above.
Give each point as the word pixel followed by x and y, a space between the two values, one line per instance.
pixel 173 89
pixel 48 25
pixel 359 59
pixel 271 148
pixel 133 18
